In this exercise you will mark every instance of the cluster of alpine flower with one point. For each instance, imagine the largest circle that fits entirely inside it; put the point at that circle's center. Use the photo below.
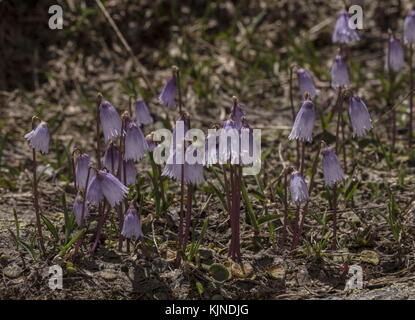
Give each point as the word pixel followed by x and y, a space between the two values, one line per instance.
pixel 106 185
pixel 360 121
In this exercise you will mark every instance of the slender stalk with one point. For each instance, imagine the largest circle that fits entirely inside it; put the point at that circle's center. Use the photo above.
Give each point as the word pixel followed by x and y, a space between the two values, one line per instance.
pixel 236 180
pixel 226 182
pixel 100 226
pixel 411 94
pixel 98 146
pixel 101 205
pixel 390 98
pixel 163 197
pixel 297 241
pixel 231 212
pixel 176 73
pixel 82 226
pixel 238 214
pixel 344 144
pixel 296 235
pixel 121 166
pixel 334 244
pixel 339 119
pixel 188 215
pixel 36 202
pixel 339 108
pixel 285 228
pixel 302 157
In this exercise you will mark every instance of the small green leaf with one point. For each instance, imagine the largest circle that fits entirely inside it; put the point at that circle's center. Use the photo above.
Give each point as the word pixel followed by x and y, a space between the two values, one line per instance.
pixel 199 288
pixel 51 227
pixel 65 248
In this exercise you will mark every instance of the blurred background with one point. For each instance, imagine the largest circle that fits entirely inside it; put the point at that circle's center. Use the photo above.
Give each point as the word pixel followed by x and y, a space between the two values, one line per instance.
pixel 223 48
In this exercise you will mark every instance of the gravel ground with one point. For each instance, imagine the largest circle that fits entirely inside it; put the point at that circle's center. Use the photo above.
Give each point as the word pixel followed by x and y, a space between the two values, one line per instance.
pixel 398 291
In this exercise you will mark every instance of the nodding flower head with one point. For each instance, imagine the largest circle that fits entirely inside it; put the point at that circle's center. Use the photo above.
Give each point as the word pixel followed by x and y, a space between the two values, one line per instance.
pixel 135 142
pixel 130 172
pixel 306 83
pixel 331 167
pixel 168 94
pixel 112 189
pixel 343 33
pixel 173 167
pixel 77 209
pixel 193 167
pixel 339 73
pixel 111 158
pixel 298 188
pixel 237 113
pixel 193 173
pixel 110 120
pixel 304 122
pixel 142 115
pixel 81 170
pixel 250 154
pixel 395 58
pixel 39 138
pixel 359 117
pixel 229 143
pixel 94 193
pixel 132 224
pixel 211 148
pixel 409 27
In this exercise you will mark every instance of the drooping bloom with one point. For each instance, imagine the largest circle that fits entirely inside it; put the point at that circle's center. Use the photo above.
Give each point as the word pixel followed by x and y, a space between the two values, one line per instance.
pixel 306 83
pixel 304 122
pixel 77 209
pixel 193 168
pixel 409 27
pixel 211 149
pixel 359 117
pixel 298 188
pixel 130 172
pixel 343 33
pixel 142 115
pixel 81 170
pixel 111 158
pixel 168 94
pixel 331 167
pixel 110 120
pixel 135 142
pixel 113 190
pixel 132 224
pixel 237 113
pixel 395 58
pixel 94 194
pixel 250 154
pixel 39 138
pixel 229 143
pixel 193 173
pixel 339 73
pixel 173 168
